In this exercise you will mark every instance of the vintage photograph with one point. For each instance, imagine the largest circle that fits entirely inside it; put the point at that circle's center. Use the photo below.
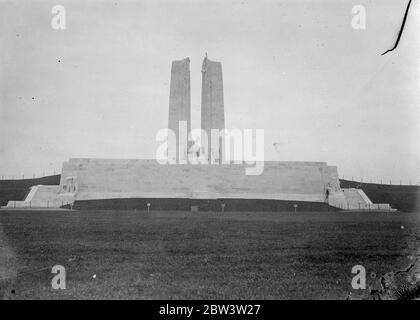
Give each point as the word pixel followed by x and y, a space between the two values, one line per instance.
pixel 209 150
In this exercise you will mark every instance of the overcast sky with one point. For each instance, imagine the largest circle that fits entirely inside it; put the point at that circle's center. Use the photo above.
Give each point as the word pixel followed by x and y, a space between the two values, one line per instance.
pixel 320 89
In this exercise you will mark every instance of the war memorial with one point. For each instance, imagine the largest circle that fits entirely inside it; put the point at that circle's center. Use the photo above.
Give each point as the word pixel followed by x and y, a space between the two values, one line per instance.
pixel 147 184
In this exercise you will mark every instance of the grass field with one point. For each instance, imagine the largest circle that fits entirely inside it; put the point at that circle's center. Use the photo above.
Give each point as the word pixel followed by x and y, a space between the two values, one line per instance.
pixel 186 255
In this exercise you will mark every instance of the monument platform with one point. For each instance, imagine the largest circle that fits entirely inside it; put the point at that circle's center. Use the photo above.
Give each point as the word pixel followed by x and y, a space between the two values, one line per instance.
pixel 140 184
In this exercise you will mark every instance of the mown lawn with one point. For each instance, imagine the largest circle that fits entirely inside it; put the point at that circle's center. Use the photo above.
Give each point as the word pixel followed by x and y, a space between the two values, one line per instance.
pixel 197 255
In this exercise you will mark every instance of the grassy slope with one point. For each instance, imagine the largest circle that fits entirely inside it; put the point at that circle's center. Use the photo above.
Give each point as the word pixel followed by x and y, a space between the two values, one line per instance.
pixel 19 188
pixel 403 198
pixel 200 255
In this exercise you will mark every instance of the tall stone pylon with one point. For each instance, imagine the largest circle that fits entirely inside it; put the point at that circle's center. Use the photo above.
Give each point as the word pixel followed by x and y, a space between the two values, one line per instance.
pixel 180 109
pixel 212 106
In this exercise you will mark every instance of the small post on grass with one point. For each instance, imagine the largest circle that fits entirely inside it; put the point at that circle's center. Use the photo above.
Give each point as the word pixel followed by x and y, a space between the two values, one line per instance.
pixel 148 207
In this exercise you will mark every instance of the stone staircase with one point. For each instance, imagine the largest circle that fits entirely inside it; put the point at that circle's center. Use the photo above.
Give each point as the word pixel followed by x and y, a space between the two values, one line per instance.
pixel 41 196
pixel 355 200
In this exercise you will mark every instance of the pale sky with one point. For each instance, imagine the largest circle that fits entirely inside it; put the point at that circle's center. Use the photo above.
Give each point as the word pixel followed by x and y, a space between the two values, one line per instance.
pixel 297 69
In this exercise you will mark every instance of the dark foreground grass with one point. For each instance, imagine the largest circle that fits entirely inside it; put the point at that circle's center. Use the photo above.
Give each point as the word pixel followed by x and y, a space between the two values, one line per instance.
pixel 184 255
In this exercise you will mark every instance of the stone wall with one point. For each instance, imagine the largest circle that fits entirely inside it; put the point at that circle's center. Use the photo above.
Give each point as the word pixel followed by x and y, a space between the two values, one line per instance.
pixel 115 178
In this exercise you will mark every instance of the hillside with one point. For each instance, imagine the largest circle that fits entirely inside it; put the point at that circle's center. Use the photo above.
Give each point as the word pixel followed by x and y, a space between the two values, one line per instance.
pixel 402 197
pixel 19 188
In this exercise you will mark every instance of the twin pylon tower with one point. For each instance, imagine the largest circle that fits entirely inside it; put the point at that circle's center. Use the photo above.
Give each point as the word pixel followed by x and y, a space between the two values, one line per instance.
pixel 212 105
